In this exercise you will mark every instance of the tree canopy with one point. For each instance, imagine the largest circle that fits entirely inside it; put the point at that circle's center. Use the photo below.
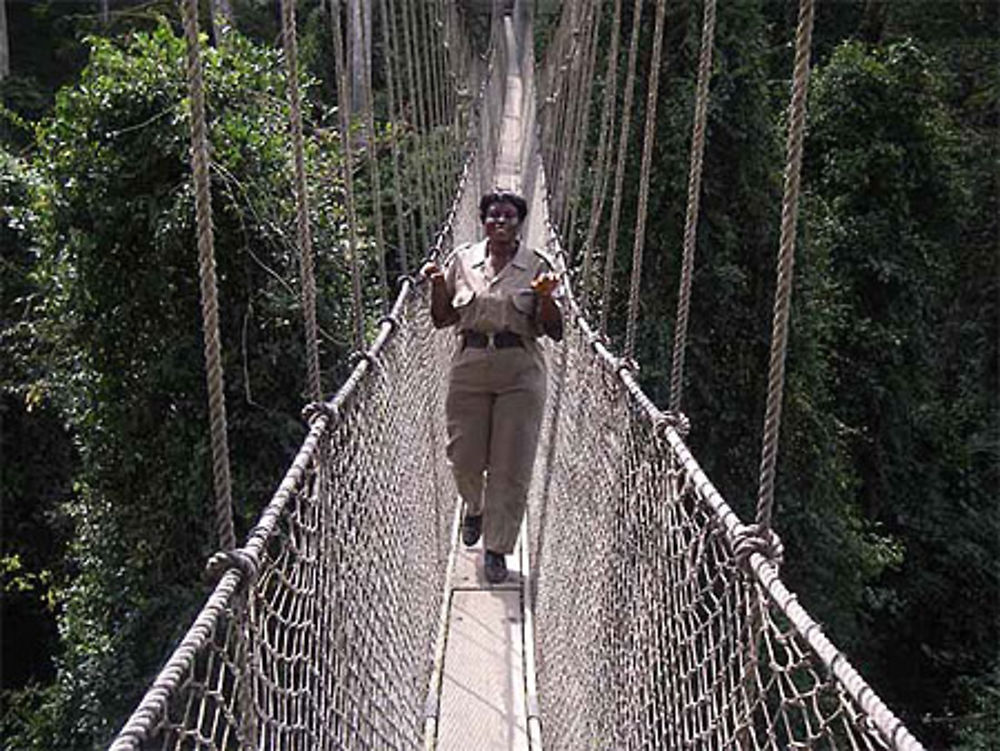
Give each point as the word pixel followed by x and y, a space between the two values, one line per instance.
pixel 891 438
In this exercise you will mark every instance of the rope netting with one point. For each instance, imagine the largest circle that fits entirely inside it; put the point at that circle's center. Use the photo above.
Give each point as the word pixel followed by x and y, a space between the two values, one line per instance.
pixel 661 620
pixel 321 630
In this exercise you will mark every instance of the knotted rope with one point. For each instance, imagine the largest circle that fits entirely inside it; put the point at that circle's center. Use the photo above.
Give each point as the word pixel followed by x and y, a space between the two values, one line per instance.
pixel 638 241
pixel 289 39
pixel 206 274
pixel 616 203
pixel 693 204
pixel 786 259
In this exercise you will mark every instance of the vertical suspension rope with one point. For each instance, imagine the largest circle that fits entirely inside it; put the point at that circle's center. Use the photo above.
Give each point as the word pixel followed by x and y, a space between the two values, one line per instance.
pixel 603 157
pixel 786 261
pixel 575 101
pixel 343 107
pixel 376 186
pixel 395 118
pixel 563 102
pixel 289 38
pixel 693 203
pixel 206 273
pixel 616 204
pixel 417 107
pixel 583 131
pixel 555 98
pixel 639 240
pixel 440 189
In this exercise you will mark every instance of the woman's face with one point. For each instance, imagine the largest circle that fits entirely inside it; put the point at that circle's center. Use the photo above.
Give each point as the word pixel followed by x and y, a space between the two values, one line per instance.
pixel 502 222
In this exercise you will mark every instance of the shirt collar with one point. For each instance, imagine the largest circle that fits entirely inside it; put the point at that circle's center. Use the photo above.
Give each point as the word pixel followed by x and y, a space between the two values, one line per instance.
pixel 519 261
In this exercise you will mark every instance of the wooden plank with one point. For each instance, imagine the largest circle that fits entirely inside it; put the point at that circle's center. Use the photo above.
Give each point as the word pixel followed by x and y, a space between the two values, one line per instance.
pixel 482 694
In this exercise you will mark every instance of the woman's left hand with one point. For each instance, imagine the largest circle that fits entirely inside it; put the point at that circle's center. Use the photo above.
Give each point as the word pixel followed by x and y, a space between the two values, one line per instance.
pixel 545 284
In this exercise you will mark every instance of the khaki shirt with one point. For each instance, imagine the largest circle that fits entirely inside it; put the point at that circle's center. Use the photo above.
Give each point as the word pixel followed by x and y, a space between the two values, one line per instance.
pixel 489 302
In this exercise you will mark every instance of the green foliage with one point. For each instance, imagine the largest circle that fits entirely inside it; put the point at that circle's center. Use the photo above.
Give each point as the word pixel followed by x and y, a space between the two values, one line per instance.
pixel 891 207
pixel 117 347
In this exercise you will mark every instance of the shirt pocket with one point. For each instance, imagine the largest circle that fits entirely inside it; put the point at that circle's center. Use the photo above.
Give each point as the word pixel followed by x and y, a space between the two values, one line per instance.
pixel 463 298
pixel 522 305
pixel 523 301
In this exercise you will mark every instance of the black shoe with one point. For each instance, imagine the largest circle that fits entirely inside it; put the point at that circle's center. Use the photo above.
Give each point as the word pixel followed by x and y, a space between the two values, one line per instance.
pixel 495 567
pixel 472 527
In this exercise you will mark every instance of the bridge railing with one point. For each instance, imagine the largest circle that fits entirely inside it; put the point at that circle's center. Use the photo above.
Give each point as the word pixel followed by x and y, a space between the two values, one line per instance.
pixel 661 620
pixel 321 630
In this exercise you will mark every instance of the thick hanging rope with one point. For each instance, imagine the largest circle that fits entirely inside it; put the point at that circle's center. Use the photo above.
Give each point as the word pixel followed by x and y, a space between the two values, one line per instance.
pixel 416 109
pixel 369 118
pixel 289 38
pixel 786 261
pixel 395 120
pixel 433 110
pixel 206 273
pixel 693 203
pixel 616 203
pixel 639 240
pixel 580 142
pixel 603 157
pixel 343 107
pixel 578 99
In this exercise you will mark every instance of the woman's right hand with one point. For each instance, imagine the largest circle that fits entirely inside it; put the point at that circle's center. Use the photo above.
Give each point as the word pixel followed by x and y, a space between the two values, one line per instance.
pixel 432 272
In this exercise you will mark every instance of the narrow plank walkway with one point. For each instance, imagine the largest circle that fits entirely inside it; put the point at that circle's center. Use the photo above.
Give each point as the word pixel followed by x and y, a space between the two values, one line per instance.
pixel 483 686
pixel 483 701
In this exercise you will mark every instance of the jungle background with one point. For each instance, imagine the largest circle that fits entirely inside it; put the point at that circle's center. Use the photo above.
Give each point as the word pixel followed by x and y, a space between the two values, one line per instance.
pixel 888 476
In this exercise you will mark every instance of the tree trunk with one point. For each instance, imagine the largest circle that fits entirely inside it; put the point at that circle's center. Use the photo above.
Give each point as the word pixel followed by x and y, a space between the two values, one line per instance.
pixel 105 13
pixel 222 18
pixel 4 42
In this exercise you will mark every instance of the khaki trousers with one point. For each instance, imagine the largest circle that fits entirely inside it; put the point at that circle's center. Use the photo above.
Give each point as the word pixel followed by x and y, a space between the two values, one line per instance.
pixel 494 413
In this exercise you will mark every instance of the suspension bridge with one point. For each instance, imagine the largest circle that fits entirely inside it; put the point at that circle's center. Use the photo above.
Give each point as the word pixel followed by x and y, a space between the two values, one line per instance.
pixel 641 613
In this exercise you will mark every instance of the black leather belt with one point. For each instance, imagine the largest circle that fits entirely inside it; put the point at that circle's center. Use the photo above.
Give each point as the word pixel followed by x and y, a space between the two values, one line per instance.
pixel 499 340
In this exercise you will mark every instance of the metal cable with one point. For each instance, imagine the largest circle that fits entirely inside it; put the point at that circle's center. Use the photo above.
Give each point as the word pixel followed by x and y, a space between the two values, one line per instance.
pixel 344 113
pixel 786 262
pixel 289 38
pixel 206 272
pixel 693 203
pixel 616 204
pixel 639 239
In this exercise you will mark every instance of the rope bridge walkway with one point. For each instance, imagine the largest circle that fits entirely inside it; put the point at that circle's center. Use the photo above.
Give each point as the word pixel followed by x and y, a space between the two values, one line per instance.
pixel 646 614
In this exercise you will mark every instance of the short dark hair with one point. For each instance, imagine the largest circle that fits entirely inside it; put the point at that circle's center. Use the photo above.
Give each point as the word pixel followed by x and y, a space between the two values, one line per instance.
pixel 502 196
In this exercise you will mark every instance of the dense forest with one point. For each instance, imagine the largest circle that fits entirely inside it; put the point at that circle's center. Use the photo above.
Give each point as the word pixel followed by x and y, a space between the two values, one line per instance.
pixel 890 468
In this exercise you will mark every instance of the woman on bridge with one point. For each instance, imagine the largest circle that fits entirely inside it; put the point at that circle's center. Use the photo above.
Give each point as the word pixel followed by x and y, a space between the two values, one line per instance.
pixel 500 296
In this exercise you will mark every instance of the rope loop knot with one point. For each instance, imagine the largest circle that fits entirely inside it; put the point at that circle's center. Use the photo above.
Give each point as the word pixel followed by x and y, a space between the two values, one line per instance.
pixel 415 280
pixel 392 320
pixel 224 560
pixel 750 539
pixel 312 411
pixel 627 364
pixel 673 419
pixel 357 356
